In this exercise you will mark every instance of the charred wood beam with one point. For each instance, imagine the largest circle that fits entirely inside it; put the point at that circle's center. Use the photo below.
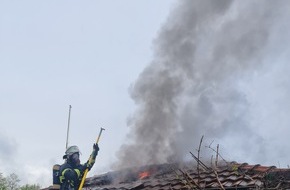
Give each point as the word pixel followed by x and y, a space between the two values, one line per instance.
pixel 200 162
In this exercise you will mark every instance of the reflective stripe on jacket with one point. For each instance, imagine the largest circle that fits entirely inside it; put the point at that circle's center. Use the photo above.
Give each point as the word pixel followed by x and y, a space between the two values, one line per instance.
pixel 70 176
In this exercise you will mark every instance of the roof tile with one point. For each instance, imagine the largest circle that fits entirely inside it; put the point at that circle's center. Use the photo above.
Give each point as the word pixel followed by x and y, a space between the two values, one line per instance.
pixel 231 175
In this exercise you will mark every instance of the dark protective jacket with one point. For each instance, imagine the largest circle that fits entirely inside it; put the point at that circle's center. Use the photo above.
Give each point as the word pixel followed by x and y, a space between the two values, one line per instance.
pixel 71 174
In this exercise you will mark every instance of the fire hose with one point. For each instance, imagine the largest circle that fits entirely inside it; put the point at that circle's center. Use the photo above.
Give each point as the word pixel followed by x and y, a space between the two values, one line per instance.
pixel 90 160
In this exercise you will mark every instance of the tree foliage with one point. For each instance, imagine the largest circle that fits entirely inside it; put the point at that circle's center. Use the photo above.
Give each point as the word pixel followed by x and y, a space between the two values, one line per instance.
pixel 11 182
pixel 30 187
pixel 3 185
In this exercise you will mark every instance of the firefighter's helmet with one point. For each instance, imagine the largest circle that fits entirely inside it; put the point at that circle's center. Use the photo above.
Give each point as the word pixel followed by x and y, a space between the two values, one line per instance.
pixel 70 151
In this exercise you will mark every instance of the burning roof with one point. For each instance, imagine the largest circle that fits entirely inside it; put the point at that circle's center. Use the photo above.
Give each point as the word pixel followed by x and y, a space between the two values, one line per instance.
pixel 186 176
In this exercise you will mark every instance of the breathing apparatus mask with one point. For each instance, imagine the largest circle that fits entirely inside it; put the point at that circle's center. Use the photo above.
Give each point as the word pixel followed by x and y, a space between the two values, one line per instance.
pixel 75 157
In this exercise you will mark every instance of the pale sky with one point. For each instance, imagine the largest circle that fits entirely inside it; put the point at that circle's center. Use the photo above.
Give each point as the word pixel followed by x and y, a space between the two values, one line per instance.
pixel 59 53
pixel 214 68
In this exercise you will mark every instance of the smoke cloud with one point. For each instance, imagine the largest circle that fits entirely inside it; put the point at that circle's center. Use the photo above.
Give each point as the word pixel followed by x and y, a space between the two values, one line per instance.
pixel 206 58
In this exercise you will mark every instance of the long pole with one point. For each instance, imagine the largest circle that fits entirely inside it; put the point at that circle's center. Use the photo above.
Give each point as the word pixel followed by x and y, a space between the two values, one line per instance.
pixel 86 171
pixel 67 132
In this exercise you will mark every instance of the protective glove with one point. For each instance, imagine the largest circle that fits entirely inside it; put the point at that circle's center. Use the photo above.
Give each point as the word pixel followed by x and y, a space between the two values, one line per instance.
pixel 96 147
pixel 94 154
pixel 95 150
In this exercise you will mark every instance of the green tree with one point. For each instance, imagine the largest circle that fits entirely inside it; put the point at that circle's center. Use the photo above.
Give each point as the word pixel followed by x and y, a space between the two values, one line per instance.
pixel 30 187
pixel 3 184
pixel 12 182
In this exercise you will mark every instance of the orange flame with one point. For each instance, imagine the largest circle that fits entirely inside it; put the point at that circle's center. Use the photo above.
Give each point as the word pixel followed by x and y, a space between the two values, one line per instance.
pixel 143 175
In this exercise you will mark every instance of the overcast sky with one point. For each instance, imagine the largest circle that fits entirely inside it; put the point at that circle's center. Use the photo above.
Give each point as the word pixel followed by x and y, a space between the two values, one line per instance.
pixel 59 53
pixel 217 69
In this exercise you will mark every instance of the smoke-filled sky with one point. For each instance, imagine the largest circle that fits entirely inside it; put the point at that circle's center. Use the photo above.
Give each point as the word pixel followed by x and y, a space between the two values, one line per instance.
pixel 219 69
pixel 157 75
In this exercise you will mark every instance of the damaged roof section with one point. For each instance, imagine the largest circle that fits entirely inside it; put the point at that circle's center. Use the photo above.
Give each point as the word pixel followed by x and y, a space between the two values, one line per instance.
pixel 188 176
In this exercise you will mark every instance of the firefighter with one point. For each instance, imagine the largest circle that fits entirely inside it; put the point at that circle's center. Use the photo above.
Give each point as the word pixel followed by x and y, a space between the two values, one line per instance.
pixel 71 172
